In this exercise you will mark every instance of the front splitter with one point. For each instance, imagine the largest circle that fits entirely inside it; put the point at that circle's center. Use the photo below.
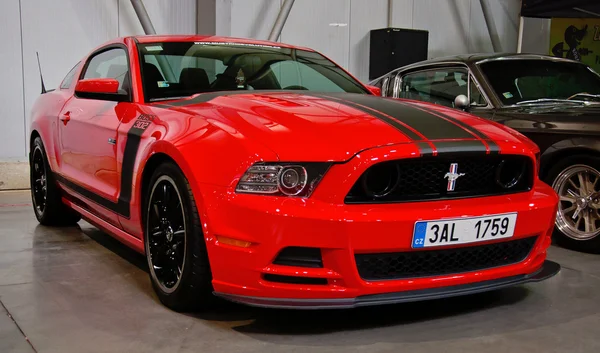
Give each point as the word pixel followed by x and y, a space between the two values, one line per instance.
pixel 548 269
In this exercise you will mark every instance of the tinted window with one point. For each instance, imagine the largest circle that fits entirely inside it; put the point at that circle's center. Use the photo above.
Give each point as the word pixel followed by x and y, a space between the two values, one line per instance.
pixel 66 82
pixel 440 87
pixel 111 63
pixel 295 75
pixel 516 81
pixel 179 69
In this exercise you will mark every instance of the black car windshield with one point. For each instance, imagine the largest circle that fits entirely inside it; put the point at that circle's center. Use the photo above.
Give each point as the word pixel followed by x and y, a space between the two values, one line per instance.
pixel 180 69
pixel 523 81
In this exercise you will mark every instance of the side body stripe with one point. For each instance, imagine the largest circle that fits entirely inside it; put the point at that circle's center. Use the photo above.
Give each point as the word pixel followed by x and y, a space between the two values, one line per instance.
pixel 132 145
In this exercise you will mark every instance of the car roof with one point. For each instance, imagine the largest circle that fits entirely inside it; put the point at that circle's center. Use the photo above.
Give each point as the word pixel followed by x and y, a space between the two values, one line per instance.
pixel 216 39
pixel 475 58
pixel 472 59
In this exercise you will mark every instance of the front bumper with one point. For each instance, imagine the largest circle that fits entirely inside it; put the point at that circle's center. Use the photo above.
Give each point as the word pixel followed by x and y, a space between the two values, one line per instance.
pixel 341 231
pixel 548 270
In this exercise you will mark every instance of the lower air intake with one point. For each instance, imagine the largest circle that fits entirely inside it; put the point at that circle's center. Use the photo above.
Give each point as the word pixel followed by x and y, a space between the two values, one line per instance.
pixel 299 257
pixel 427 263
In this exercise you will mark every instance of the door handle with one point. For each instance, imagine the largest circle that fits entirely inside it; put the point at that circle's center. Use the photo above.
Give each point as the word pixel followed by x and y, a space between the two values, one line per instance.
pixel 65 117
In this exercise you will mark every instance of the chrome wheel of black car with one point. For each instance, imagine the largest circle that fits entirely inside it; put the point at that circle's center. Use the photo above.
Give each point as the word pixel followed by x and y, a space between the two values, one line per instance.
pixel 166 227
pixel 39 181
pixel 578 188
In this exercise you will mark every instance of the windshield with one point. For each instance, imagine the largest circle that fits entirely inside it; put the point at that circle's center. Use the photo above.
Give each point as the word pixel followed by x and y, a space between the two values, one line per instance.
pixel 520 81
pixel 180 69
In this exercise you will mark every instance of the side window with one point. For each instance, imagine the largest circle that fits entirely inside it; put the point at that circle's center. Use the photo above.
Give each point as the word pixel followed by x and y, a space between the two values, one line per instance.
pixel 298 75
pixel 189 74
pixel 111 63
pixel 440 86
pixel 477 99
pixel 66 82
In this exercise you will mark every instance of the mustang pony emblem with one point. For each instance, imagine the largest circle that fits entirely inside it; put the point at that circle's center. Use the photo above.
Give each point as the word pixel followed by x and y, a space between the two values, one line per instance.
pixel 452 175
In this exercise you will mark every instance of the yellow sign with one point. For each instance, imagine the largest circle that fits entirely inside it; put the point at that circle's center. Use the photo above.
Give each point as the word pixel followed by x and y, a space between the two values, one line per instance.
pixel 577 39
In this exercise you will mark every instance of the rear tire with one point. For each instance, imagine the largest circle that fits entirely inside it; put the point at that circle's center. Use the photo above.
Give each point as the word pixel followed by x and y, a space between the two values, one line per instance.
pixel 45 194
pixel 577 182
pixel 174 242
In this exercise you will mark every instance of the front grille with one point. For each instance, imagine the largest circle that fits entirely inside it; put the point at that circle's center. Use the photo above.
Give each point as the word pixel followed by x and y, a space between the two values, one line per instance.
pixel 427 263
pixel 419 179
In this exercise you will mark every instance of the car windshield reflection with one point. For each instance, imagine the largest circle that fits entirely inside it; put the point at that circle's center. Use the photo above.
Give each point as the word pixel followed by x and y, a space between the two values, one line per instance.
pixel 541 81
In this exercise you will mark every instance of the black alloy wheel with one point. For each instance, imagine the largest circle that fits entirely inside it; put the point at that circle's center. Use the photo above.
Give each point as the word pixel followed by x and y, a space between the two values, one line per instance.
pixel 166 232
pixel 174 242
pixel 46 196
pixel 39 181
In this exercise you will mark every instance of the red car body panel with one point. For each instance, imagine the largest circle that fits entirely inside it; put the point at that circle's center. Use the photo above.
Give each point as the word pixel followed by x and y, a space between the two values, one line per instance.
pixel 215 140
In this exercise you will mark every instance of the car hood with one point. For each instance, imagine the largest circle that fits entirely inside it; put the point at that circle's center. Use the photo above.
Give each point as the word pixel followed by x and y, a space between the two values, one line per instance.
pixel 565 118
pixel 571 110
pixel 306 126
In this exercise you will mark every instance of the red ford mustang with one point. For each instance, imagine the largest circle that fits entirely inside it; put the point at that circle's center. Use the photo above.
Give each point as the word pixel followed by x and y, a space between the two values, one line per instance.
pixel 265 174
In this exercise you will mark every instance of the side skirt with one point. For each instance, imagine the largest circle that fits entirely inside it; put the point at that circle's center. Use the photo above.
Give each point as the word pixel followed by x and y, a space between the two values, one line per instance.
pixel 125 238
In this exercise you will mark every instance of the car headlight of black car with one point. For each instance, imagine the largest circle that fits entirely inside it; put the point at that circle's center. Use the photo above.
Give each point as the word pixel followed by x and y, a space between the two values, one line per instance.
pixel 282 179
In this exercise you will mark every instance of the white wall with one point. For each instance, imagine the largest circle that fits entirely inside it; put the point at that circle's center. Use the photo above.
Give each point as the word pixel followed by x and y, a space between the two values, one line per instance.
pixel 63 31
pixel 340 28
pixel 12 136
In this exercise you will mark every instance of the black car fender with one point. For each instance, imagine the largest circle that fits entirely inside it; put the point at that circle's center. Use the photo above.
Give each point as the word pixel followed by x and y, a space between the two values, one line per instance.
pixel 565 149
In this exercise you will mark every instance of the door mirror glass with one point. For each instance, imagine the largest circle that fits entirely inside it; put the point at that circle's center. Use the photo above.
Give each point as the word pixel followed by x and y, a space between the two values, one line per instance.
pixel 461 102
pixel 374 89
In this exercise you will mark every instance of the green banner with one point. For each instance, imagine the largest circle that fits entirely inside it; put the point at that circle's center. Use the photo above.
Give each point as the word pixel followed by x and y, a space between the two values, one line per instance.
pixel 577 39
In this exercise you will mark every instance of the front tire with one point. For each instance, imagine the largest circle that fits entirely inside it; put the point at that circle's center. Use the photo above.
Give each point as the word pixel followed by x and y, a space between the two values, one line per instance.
pixel 45 194
pixel 576 180
pixel 174 242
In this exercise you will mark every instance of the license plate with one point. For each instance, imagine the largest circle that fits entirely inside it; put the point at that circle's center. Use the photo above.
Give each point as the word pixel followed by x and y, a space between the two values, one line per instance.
pixel 463 230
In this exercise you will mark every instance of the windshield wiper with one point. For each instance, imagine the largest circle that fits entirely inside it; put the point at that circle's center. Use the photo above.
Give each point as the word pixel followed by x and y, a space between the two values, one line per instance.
pixel 167 98
pixel 583 94
pixel 550 101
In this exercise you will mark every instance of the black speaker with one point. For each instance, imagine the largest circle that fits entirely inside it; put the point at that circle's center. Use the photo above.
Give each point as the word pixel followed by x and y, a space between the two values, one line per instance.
pixel 392 48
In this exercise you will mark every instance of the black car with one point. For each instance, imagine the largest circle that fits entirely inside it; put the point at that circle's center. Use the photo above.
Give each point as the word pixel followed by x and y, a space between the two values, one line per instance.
pixel 553 101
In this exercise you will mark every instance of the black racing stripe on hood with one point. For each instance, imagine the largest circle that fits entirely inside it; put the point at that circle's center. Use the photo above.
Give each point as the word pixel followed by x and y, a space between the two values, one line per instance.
pixel 417 123
pixel 425 149
pixel 396 124
pixel 374 113
pixel 462 147
pixel 492 146
pixel 429 125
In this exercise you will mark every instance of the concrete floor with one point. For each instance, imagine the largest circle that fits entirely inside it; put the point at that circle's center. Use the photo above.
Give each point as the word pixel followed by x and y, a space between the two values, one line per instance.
pixel 78 290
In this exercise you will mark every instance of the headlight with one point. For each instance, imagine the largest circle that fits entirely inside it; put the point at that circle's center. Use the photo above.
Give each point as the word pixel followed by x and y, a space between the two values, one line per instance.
pixel 289 179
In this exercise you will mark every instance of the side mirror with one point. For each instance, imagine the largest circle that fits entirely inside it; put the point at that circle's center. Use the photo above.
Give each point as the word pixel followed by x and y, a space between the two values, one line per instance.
pixel 374 89
pixel 100 88
pixel 461 102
